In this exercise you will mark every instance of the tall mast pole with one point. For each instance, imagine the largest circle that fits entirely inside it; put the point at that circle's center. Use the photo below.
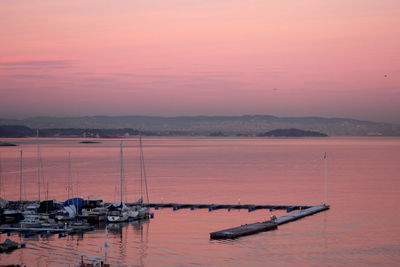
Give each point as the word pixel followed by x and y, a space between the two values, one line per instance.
pixel 69 176
pixel 325 179
pixel 143 172
pixel 141 167
pixel 1 179
pixel 121 170
pixel 38 162
pixel 20 177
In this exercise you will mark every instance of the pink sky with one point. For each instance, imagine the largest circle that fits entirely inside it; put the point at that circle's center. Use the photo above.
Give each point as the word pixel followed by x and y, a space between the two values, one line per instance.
pixel 200 57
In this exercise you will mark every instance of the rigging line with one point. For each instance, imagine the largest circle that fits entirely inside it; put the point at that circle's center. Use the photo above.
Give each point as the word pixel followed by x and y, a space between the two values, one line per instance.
pixel 141 166
pixel 69 176
pixel 121 172
pixel 77 183
pixel 144 171
pixel 20 176
pixel 38 162
pixel 47 190
pixel 2 190
pixel 325 179
pixel 41 177
pixel 21 184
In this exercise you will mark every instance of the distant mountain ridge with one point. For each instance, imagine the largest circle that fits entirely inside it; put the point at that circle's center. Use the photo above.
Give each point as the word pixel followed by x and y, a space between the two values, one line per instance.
pixel 204 125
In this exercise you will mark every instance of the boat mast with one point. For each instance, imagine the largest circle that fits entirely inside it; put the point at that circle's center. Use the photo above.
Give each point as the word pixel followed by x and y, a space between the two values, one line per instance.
pixel 325 179
pixel 121 171
pixel 20 177
pixel 38 161
pixel 47 190
pixel 141 168
pixel 69 185
pixel 2 191
pixel 143 176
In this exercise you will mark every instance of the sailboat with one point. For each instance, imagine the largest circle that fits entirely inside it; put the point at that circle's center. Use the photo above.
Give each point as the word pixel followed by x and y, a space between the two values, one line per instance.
pixel 139 210
pixel 32 207
pixel 119 212
pixel 14 214
pixel 144 212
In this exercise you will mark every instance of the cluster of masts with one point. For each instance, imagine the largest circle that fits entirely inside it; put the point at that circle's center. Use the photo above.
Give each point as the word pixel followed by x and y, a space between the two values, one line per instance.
pixel 42 212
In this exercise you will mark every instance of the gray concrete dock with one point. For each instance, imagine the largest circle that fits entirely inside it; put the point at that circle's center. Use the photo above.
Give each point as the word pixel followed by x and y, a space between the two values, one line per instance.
pixel 249 229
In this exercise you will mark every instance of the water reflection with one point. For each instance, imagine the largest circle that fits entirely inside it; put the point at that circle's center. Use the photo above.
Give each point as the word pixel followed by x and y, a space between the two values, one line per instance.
pixel 127 243
pixel 265 171
pixel 141 229
pixel 120 244
pixel 324 226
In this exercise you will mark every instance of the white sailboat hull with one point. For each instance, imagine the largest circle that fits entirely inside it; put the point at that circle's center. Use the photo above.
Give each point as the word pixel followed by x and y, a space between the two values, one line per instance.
pixel 117 218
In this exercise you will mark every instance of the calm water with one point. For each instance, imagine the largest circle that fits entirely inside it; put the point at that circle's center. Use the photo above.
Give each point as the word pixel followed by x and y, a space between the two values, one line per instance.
pixel 361 229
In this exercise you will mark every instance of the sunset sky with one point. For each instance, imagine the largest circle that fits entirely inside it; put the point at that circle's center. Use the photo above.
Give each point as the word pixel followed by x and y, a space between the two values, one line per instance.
pixel 200 57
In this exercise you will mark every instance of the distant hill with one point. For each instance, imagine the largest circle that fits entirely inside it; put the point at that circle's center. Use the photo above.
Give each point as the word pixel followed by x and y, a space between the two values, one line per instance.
pixel 15 131
pixel 246 125
pixel 10 131
pixel 292 133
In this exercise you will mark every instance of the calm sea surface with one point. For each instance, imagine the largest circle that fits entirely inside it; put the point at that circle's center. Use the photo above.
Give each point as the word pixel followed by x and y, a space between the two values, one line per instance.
pixel 362 228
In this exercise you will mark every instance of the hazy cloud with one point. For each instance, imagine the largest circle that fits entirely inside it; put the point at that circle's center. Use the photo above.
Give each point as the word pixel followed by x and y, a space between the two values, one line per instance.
pixel 99 79
pixel 37 64
pixel 31 76
pixel 272 74
pixel 323 82
pixel 219 73
pixel 153 76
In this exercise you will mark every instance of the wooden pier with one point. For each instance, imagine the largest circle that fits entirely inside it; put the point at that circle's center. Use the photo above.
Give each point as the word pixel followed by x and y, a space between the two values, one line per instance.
pixel 249 229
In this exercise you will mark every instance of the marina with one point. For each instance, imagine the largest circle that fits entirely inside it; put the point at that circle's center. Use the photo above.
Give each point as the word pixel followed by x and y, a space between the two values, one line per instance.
pixel 248 229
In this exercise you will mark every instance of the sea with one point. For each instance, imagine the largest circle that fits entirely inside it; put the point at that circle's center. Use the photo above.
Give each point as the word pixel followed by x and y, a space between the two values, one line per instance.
pixel 359 179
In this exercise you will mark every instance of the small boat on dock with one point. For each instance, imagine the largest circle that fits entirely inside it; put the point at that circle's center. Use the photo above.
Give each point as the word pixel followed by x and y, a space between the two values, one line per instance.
pixel 93 211
pixel 137 211
pixel 30 221
pixel 96 215
pixel 118 213
pixel 12 216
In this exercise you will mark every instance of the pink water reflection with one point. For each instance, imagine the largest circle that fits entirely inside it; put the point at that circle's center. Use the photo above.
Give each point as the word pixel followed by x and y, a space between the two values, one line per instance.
pixel 361 228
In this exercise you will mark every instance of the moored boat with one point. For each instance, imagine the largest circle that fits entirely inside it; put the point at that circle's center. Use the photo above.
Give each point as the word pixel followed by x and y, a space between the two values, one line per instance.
pixel 30 221
pixel 118 212
pixel 12 216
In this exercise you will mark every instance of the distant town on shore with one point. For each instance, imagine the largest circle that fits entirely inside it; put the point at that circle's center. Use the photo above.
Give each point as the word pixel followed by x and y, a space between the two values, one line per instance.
pixel 16 131
pixel 246 125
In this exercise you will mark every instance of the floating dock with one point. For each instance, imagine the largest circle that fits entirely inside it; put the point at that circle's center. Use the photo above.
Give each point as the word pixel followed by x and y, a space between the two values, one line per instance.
pixel 301 214
pixel 249 229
